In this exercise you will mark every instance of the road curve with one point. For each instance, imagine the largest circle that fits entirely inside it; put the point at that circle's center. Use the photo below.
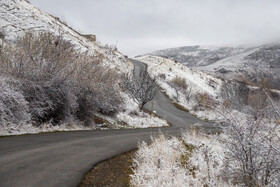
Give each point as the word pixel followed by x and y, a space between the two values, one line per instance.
pixel 166 109
pixel 61 159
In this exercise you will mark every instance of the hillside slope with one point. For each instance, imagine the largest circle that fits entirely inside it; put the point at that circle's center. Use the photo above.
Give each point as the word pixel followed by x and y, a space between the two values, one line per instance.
pixel 19 16
pixel 196 85
pixel 253 62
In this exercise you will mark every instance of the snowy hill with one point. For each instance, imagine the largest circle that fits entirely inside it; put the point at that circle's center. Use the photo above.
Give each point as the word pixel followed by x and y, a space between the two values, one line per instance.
pixel 197 83
pixel 19 16
pixel 229 61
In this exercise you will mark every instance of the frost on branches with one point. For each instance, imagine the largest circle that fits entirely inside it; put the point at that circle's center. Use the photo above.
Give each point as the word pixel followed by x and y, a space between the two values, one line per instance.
pixel 247 153
pixel 252 147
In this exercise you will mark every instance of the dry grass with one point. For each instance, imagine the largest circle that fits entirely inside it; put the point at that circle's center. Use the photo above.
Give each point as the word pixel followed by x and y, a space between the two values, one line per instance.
pixel 111 173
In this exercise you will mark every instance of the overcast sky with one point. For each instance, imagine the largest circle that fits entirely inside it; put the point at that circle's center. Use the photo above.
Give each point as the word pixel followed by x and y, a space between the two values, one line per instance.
pixel 141 26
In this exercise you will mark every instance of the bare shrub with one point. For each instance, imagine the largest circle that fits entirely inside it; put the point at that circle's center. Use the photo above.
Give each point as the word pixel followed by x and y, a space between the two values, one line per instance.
pixel 134 113
pixel 188 93
pixel 98 91
pixel 236 93
pixel 179 82
pixel 257 100
pixel 13 106
pixel 252 150
pixel 205 101
pixel 58 82
pixel 253 142
pixel 162 76
pixel 213 83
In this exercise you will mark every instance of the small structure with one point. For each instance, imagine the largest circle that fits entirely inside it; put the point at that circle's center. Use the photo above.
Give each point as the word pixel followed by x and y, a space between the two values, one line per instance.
pixel 91 37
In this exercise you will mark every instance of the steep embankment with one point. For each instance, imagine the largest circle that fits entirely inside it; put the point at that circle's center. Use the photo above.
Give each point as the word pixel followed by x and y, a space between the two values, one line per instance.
pixel 19 16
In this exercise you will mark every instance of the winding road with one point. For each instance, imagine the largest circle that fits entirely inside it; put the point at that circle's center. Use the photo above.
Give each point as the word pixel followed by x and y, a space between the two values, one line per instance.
pixel 62 158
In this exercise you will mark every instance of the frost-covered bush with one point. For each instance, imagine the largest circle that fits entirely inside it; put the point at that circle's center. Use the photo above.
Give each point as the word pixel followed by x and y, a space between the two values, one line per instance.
pixel 194 160
pixel 60 83
pixel 205 101
pixel 179 82
pixel 50 101
pixel 236 94
pixel 159 164
pixel 252 146
pixel 13 106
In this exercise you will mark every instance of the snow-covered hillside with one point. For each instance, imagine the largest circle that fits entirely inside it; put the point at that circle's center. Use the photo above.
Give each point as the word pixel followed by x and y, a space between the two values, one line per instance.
pixel 197 82
pixel 229 61
pixel 19 16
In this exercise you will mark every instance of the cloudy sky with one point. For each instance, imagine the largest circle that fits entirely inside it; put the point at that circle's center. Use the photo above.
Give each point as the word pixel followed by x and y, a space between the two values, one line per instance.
pixel 141 26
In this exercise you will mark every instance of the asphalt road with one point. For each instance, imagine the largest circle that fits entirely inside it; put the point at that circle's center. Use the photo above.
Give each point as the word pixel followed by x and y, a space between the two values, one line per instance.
pixel 166 109
pixel 62 159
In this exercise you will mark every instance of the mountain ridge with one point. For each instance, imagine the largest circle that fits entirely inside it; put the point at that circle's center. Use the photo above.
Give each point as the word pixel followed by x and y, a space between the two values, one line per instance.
pixel 252 62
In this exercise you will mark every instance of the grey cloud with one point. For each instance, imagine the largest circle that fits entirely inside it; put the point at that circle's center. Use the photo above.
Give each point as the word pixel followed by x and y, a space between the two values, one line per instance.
pixel 142 26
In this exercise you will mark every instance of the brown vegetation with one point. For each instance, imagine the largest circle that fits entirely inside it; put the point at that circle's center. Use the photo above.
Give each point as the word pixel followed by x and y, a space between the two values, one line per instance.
pixel 179 82
pixel 57 82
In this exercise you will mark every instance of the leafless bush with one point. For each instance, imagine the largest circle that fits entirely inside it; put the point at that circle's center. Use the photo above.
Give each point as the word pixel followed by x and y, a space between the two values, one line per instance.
pixel 98 92
pixel 257 99
pixel 142 88
pixel 58 82
pixel 13 107
pixel 134 113
pixel 179 82
pixel 253 142
pixel 205 101
pixel 252 150
pixel 188 93
pixel 236 93
pixel 162 76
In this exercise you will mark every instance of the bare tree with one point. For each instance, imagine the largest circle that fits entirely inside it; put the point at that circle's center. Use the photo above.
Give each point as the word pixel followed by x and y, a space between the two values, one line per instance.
pixel 188 93
pixel 142 88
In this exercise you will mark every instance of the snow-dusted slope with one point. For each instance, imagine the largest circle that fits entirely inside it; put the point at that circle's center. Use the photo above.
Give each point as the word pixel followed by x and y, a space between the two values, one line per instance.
pixel 165 70
pixel 229 61
pixel 19 16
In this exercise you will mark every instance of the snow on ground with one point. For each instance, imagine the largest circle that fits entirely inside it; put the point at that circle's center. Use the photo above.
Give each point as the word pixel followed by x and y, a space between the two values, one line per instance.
pixel 138 119
pixel 231 63
pixel 193 160
pixel 199 82
pixel 27 128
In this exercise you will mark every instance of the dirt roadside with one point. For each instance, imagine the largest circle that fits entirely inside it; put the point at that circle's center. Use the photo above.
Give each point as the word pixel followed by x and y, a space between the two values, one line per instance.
pixel 111 173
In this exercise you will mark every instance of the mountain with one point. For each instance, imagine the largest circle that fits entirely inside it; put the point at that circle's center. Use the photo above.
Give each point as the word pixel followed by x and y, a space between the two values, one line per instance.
pixel 19 16
pixel 252 62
